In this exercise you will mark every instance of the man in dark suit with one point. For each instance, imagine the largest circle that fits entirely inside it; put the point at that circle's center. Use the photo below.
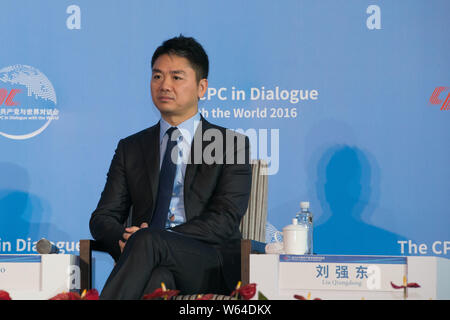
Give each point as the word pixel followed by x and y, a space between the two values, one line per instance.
pixel 188 182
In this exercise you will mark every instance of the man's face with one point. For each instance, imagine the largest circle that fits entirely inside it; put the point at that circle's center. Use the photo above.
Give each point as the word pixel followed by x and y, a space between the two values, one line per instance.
pixel 175 89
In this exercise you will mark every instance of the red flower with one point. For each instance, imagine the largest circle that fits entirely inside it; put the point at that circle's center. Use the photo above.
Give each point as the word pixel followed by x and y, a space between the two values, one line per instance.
pixel 246 292
pixel 395 286
pixel 299 297
pixel 409 285
pixel 161 293
pixel 66 296
pixel 90 295
pixel 413 285
pixel 4 295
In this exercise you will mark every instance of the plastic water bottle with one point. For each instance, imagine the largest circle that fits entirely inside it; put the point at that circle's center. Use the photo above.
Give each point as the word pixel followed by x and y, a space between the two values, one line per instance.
pixel 305 218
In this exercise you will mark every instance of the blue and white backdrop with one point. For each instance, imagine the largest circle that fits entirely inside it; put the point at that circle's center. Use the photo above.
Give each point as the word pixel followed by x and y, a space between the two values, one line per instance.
pixel 349 100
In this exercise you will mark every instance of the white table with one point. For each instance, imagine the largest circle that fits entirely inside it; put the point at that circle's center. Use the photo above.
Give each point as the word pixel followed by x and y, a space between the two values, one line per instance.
pixel 279 277
pixel 38 277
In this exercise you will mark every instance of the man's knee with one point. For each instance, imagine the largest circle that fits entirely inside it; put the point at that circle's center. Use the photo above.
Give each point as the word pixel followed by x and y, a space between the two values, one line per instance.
pixel 146 239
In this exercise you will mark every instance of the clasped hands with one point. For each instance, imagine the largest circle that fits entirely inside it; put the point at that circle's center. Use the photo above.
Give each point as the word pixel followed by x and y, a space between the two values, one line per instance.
pixel 128 233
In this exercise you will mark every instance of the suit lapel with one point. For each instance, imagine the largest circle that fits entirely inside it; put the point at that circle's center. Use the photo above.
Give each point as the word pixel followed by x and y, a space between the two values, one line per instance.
pixel 195 160
pixel 149 143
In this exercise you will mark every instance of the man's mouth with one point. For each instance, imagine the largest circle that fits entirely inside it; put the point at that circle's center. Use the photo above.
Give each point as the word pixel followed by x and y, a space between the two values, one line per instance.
pixel 165 98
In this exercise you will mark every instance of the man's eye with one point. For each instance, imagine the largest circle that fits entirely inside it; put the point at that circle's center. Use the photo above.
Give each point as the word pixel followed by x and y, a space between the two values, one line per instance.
pixel 156 76
pixel 177 78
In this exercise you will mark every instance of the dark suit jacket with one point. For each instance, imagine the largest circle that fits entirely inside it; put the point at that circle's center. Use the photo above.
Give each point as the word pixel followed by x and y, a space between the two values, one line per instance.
pixel 215 195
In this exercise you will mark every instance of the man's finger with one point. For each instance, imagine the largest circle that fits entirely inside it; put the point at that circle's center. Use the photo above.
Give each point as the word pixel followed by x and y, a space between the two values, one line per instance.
pixel 121 245
pixel 132 229
pixel 126 235
pixel 144 225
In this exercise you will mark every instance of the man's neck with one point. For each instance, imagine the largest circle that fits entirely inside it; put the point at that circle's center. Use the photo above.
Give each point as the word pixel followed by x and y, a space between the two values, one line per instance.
pixel 175 120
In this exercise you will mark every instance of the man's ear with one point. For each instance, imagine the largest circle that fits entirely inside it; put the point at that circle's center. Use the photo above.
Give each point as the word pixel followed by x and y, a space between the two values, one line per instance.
pixel 202 86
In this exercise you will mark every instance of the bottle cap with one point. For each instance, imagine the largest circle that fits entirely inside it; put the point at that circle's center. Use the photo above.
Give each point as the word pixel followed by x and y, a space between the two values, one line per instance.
pixel 304 204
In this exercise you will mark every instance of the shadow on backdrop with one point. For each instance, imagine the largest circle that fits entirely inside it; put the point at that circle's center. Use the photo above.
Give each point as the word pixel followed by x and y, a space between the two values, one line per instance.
pixel 22 214
pixel 345 187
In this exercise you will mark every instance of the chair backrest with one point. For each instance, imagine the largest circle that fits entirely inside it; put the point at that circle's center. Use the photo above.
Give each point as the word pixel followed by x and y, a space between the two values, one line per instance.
pixel 253 224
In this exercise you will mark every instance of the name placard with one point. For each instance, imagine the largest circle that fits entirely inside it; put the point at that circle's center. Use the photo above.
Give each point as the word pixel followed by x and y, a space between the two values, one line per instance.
pixel 20 272
pixel 328 272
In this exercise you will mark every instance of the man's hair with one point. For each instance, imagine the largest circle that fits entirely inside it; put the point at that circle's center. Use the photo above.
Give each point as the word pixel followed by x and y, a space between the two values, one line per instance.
pixel 189 48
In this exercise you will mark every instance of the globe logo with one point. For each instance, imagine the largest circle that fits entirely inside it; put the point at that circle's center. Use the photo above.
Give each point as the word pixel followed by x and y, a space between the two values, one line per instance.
pixel 27 102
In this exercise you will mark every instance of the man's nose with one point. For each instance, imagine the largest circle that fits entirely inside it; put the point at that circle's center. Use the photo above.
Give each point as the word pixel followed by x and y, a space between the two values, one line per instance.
pixel 166 84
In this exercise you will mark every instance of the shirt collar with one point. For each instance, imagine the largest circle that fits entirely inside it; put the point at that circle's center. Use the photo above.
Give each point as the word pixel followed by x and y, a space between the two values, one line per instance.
pixel 189 125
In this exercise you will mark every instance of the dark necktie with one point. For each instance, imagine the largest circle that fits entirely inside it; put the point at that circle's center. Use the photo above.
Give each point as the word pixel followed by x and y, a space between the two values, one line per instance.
pixel 166 180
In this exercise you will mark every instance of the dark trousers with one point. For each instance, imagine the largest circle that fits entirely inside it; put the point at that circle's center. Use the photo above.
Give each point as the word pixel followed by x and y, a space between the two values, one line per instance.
pixel 154 256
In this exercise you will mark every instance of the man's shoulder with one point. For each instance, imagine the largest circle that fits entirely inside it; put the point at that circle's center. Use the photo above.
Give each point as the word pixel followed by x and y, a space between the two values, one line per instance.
pixel 143 134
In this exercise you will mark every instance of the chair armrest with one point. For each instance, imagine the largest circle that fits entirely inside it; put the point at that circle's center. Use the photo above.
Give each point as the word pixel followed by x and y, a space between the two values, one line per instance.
pixel 86 248
pixel 247 247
